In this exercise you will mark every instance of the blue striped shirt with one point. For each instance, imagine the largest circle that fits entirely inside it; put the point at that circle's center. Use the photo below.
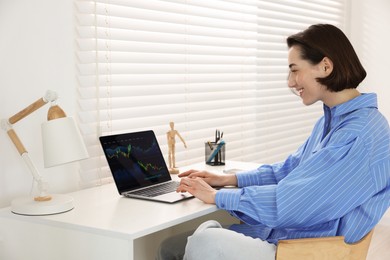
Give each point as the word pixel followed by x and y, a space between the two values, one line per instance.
pixel 336 183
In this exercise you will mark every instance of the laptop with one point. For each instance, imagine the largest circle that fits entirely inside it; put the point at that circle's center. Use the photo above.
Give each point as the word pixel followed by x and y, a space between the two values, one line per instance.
pixel 138 167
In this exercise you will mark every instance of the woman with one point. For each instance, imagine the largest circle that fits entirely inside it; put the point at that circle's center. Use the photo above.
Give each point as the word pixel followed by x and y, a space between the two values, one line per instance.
pixel 336 183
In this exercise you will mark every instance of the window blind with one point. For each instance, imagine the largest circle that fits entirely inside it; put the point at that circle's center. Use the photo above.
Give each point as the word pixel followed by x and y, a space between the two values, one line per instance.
pixel 204 65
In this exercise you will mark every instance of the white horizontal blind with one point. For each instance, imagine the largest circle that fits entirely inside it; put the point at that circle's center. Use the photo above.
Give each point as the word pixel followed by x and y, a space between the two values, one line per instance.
pixel 205 65
pixel 283 123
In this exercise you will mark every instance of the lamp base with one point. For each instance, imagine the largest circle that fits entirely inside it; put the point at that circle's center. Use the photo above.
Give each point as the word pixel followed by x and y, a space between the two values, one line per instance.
pixel 28 206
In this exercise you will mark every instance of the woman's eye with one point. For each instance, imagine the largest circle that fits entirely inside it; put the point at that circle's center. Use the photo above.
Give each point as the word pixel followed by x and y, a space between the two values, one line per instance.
pixel 291 73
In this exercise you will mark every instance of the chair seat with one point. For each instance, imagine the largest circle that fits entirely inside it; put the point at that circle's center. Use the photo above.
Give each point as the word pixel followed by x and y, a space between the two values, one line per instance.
pixel 332 248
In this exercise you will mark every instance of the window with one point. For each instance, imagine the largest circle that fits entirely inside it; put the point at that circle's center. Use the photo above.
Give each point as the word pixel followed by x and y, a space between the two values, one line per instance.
pixel 204 65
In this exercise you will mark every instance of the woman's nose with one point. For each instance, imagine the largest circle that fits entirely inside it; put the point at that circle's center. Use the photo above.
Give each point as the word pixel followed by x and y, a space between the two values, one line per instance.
pixel 290 80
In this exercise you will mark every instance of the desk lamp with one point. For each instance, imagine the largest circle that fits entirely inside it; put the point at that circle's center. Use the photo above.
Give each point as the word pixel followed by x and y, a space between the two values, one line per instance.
pixel 62 143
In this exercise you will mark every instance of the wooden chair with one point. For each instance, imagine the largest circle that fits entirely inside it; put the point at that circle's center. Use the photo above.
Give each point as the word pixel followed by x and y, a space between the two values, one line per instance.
pixel 331 248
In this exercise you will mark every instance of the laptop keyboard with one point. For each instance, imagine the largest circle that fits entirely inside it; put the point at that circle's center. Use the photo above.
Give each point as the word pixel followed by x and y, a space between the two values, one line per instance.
pixel 157 190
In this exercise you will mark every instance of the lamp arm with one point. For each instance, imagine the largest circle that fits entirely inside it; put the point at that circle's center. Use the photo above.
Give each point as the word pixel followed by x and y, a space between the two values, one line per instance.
pixel 49 96
pixel 43 186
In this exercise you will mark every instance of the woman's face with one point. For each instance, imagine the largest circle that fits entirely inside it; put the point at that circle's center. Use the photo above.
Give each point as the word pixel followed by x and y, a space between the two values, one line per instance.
pixel 303 76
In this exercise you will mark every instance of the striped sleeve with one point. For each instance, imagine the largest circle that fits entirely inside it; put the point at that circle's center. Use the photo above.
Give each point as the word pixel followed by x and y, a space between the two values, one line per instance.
pixel 332 182
pixel 270 174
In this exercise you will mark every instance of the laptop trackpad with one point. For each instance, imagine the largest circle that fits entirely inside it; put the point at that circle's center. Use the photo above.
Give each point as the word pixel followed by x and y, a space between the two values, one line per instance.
pixel 173 197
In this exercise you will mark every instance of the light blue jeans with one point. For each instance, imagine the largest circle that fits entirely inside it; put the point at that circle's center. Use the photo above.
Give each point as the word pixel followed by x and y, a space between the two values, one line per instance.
pixel 211 241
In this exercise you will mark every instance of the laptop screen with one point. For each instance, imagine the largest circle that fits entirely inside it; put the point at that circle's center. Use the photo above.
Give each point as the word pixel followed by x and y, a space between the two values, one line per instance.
pixel 135 160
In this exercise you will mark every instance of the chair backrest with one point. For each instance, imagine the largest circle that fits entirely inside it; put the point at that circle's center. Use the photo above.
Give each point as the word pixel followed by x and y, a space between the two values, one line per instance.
pixel 359 249
pixel 331 248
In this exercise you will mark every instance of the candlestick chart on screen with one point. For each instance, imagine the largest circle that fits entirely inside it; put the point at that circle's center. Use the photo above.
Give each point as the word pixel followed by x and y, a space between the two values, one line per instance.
pixel 137 161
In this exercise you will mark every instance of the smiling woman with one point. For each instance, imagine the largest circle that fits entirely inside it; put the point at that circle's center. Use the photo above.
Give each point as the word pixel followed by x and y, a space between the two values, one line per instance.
pixel 327 46
pixel 323 66
pixel 205 65
pixel 304 76
pixel 335 184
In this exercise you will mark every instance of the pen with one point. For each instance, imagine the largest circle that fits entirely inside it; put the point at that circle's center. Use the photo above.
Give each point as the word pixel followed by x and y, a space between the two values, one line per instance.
pixel 211 147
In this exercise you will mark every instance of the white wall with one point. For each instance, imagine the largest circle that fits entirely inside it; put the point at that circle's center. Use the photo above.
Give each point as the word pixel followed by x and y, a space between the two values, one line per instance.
pixel 37 53
pixel 370 35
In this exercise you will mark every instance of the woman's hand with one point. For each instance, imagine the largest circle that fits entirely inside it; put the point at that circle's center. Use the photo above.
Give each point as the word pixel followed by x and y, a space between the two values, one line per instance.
pixel 215 180
pixel 199 183
pixel 199 188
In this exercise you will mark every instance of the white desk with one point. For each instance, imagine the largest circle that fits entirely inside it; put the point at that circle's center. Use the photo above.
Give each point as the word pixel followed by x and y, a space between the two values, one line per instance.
pixel 104 225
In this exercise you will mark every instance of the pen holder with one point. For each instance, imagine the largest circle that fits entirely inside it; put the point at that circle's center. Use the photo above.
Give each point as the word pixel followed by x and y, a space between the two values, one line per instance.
pixel 215 153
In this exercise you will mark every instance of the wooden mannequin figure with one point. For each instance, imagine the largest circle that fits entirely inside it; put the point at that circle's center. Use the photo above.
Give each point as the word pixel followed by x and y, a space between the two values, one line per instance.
pixel 171 134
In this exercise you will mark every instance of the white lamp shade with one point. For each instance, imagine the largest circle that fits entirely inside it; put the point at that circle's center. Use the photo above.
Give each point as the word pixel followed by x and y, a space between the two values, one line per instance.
pixel 62 142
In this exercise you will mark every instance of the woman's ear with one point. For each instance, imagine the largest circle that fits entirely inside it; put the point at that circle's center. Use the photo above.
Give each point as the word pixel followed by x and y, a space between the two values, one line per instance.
pixel 327 65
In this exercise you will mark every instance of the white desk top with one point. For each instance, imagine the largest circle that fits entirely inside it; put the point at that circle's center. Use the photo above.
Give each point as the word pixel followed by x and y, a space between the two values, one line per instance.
pixel 103 211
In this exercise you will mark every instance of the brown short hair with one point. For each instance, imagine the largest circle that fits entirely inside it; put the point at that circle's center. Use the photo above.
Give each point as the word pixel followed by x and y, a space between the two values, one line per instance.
pixel 325 40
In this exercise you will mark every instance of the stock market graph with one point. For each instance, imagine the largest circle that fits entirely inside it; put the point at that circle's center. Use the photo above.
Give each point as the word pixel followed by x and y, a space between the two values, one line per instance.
pixel 135 162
